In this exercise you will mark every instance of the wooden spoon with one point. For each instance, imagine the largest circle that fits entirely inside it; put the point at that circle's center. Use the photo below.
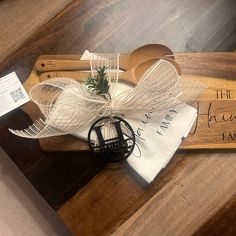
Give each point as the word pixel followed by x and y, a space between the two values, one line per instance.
pixel 127 61
pixel 132 76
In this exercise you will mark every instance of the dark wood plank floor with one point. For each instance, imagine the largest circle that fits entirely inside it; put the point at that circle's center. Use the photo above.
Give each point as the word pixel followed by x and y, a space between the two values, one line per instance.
pixel 20 19
pixel 121 26
pixel 59 27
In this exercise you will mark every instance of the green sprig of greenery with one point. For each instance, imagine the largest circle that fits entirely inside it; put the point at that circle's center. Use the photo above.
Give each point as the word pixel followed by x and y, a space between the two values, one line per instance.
pixel 99 84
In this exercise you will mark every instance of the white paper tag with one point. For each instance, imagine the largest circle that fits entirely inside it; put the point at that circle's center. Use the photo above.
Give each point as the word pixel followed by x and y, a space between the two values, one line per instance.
pixel 12 93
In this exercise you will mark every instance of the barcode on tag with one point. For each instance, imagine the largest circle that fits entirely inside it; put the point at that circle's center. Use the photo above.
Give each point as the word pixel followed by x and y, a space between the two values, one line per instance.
pixel 17 95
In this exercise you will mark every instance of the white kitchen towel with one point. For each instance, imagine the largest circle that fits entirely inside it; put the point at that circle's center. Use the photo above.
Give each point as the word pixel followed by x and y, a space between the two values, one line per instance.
pixel 158 136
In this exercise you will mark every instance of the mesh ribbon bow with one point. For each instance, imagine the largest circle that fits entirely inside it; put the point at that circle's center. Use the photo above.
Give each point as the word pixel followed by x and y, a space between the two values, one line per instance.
pixel 68 106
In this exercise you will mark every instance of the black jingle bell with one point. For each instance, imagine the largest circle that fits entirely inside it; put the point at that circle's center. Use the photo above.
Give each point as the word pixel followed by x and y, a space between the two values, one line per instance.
pixel 112 137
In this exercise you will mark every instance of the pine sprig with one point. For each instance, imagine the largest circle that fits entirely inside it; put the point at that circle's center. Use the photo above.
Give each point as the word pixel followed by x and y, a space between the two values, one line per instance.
pixel 99 84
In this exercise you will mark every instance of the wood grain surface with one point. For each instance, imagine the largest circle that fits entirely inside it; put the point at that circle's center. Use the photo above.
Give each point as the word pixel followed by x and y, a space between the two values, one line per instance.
pixel 121 26
pixel 20 19
pixel 195 194
pixel 190 198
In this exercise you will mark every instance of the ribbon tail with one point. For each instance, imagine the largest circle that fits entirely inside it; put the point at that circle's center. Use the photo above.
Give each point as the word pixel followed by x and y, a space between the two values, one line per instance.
pixel 70 109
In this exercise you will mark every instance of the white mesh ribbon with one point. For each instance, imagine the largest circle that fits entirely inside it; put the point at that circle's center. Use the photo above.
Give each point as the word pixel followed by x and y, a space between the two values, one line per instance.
pixel 69 107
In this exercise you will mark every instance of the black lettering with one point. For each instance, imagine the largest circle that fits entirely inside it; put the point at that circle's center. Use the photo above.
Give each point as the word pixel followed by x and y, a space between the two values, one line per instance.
pixel 146 118
pixel 159 132
pixel 139 134
pixel 173 111
pixel 139 153
pixel 229 136
pixel 99 135
pixel 223 94
pixel 232 136
pixel 164 124
pixel 196 121
pixel 119 130
pixel 168 117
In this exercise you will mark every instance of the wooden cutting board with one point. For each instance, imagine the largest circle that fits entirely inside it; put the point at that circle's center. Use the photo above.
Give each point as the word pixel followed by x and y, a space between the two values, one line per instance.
pixel 215 126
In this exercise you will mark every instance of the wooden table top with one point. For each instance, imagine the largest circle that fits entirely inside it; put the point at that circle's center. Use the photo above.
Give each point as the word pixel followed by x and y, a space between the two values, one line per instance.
pixel 196 193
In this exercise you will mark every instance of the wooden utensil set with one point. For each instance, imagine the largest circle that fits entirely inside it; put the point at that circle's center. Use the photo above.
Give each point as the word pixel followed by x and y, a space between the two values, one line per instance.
pixel 215 126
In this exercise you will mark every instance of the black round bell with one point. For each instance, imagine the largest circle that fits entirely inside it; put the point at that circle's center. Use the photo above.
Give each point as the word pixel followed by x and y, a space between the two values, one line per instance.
pixel 112 137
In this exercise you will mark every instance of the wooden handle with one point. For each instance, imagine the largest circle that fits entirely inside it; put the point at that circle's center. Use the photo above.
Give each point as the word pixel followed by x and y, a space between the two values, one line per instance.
pixel 190 62
pixel 73 62
pixel 76 75
pixel 81 76
pixel 63 64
